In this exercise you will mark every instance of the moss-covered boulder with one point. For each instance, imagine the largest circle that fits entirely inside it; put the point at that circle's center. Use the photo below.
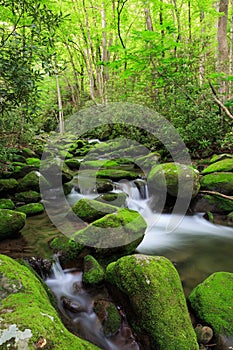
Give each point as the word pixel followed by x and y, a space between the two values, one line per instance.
pixel 119 233
pixel 212 301
pixel 33 162
pixel 11 223
pixel 217 157
pixel 155 294
pixel 20 170
pixel 108 315
pixel 174 177
pixel 31 181
pixel 148 161
pixel 8 186
pixel 27 316
pixel 223 165
pixel 56 171
pixel 31 209
pixel 90 210
pixel 117 199
pixel 214 204
pixel 93 273
pixel 73 163
pixel 28 197
pixel 220 182
pixel 6 204
pixel 117 175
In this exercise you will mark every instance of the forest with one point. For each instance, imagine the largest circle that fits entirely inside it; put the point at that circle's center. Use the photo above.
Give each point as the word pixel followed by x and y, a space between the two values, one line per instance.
pixel 116 174
pixel 175 57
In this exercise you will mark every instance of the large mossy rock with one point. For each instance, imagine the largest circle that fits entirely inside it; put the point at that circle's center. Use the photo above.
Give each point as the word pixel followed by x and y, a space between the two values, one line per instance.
pixel 8 186
pixel 28 197
pixel 90 210
pixel 31 209
pixel 117 199
pixel 119 233
pixel 217 157
pixel 117 175
pixel 6 204
pixel 220 182
pixel 174 177
pixel 155 294
pixel 93 273
pixel 212 301
pixel 11 222
pixel 27 314
pixel 214 204
pixel 30 181
pixel 224 165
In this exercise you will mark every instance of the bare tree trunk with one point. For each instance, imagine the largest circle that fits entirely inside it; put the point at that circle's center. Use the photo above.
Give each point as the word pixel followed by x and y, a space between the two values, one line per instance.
pixel 149 24
pixel 231 51
pixel 202 55
pixel 60 109
pixel 223 45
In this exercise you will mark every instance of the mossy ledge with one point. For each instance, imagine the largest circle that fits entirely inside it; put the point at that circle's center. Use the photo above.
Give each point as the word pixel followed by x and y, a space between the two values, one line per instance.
pixel 26 312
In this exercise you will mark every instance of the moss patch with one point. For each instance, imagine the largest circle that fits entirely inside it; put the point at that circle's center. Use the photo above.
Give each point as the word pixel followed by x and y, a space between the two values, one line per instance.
pixel 212 301
pixel 8 185
pixel 93 273
pixel 221 182
pixel 6 204
pixel 219 204
pixel 155 293
pixel 11 223
pixel 31 209
pixel 174 178
pixel 31 310
pixel 116 175
pixel 90 210
pixel 28 197
pixel 222 166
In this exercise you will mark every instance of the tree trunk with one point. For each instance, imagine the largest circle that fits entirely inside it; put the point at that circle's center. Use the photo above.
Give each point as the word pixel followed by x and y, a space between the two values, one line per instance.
pixel 223 45
pixel 60 109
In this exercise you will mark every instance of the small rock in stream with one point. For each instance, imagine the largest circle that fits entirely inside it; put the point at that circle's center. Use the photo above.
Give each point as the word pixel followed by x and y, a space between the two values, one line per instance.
pixel 73 306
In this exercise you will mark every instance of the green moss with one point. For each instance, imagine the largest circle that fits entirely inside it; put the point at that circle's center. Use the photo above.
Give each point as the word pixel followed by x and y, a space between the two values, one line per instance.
pixel 11 223
pixel 6 204
pixel 31 309
pixel 90 210
pixel 67 247
pixel 213 303
pixel 116 174
pixel 217 157
pixel 222 166
pixel 154 291
pixel 33 161
pixel 73 163
pixel 124 228
pixel 220 204
pixel 93 273
pixel 8 185
pixel 118 199
pixel 148 161
pixel 174 178
pixel 220 182
pixel 28 197
pixel 30 182
pixel 31 209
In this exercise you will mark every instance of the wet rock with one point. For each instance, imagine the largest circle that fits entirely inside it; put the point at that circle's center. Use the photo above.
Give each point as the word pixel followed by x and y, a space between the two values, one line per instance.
pixel 93 273
pixel 40 265
pixel 204 334
pixel 11 223
pixel 90 210
pixel 108 315
pixel 26 312
pixel 158 311
pixel 72 305
pixel 213 303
